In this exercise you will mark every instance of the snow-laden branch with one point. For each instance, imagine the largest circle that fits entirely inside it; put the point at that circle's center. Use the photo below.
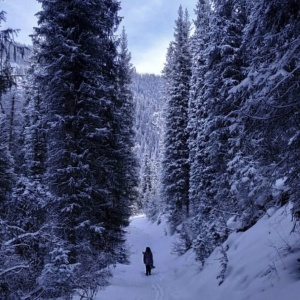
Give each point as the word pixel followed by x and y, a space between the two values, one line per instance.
pixel 268 117
pixel 4 224
pixel 13 269
pixel 226 212
pixel 21 236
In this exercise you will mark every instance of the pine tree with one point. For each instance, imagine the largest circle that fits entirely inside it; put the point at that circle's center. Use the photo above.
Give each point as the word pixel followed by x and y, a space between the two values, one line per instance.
pixel 271 97
pixel 223 71
pixel 6 82
pixel 199 43
pixel 82 105
pixel 177 75
pixel 127 116
pixel 146 182
pixel 6 40
pixel 217 68
pixel 125 165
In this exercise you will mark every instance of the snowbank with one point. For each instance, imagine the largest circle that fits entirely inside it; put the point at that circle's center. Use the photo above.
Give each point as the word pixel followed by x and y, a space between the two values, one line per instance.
pixel 262 263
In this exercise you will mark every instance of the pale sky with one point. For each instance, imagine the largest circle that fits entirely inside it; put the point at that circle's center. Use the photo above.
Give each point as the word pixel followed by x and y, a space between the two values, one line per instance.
pixel 149 26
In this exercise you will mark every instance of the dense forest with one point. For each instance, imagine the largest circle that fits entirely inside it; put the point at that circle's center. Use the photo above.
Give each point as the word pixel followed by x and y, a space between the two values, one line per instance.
pixel 86 141
pixel 231 144
pixel 69 175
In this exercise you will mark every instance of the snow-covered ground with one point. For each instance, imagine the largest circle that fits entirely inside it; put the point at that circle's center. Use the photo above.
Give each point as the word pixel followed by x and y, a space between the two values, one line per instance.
pixel 262 265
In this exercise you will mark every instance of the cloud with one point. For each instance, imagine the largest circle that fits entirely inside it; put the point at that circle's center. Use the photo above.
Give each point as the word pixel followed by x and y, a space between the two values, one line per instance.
pixel 151 59
pixel 150 28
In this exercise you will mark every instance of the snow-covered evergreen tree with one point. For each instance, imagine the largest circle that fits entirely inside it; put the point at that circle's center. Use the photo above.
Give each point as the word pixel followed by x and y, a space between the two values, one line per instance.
pixel 199 42
pixel 59 276
pixel 34 134
pixel 221 70
pixel 6 82
pixel 128 163
pixel 175 165
pixel 271 91
pixel 84 99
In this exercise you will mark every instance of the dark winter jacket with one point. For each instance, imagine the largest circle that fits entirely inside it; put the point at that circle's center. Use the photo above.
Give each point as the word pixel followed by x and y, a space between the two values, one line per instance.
pixel 148 258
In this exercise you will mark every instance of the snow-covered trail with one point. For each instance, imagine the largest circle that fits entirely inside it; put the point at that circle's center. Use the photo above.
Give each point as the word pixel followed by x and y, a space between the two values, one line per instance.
pixel 130 282
pixel 262 265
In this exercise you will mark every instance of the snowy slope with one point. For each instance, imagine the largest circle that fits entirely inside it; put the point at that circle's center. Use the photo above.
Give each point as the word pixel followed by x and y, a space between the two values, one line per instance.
pixel 262 265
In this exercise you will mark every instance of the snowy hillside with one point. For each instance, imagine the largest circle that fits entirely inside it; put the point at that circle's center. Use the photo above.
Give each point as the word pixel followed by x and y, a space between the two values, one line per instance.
pixel 262 265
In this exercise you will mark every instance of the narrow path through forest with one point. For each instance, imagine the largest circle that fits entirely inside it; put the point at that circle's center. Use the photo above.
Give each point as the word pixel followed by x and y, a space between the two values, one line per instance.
pixel 130 282
pixel 260 266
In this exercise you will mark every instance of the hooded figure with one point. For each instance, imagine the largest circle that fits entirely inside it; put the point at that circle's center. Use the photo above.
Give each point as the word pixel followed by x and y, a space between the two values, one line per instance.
pixel 148 260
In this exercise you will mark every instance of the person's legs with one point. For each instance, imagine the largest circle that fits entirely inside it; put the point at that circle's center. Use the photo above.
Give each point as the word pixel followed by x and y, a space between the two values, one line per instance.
pixel 148 270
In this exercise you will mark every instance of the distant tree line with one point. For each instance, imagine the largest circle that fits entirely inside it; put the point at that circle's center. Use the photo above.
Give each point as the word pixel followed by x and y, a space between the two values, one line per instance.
pixel 68 173
pixel 231 145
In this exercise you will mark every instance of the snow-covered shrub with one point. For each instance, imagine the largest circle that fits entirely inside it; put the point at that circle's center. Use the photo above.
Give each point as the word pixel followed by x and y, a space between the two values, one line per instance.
pixel 122 254
pixel 201 248
pixel 58 276
pixel 184 239
pixel 152 209
pixel 211 231
pixel 93 273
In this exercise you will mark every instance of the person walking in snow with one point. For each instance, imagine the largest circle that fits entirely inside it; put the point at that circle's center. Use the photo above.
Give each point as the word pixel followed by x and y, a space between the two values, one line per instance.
pixel 148 260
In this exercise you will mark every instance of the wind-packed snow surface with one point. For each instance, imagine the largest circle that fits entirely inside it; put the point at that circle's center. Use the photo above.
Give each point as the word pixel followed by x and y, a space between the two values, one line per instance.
pixel 262 265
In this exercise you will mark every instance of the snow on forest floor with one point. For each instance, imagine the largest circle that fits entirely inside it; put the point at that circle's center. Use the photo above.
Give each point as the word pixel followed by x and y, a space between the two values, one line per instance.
pixel 262 265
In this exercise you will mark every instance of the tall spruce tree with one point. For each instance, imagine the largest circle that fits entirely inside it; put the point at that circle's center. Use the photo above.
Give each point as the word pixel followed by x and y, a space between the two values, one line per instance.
pixel 271 93
pixel 126 164
pixel 223 71
pixel 34 135
pixel 6 82
pixel 80 84
pixel 175 163
pixel 217 68
pixel 199 42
